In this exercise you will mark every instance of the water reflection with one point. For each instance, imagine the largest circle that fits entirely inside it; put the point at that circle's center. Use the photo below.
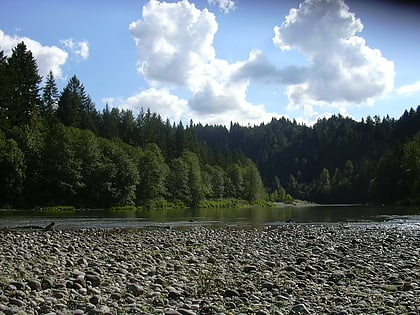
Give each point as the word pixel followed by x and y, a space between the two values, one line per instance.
pixel 244 216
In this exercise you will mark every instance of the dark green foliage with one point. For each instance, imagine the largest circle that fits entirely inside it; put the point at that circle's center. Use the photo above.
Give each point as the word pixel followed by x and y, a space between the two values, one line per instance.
pixel 178 181
pixel 362 161
pixel 195 180
pixel 57 149
pixel 50 97
pixel 153 172
pixel 75 108
pixel 12 170
pixel 410 164
pixel 19 95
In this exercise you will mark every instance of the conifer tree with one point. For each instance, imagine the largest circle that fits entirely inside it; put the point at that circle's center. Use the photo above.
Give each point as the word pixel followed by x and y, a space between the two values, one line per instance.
pixel 75 107
pixel 20 99
pixel 3 89
pixel 50 97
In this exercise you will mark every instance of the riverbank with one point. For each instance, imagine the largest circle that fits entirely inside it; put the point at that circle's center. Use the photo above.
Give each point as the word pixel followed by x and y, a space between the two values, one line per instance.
pixel 289 269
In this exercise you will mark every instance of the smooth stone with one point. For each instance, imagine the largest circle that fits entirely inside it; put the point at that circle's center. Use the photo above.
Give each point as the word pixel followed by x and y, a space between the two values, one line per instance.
pixel 16 302
pixel 46 284
pixel 174 294
pixel 93 279
pixel 230 293
pixel 249 268
pixel 184 311
pixel 94 299
pixel 299 309
pixel 135 289
pixel 34 285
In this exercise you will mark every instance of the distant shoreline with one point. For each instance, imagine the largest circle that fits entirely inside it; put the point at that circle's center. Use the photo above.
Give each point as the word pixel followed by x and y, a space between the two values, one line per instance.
pixel 301 203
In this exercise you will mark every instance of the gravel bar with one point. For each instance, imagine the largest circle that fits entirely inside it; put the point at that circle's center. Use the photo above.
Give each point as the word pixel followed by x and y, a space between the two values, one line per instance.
pixel 288 269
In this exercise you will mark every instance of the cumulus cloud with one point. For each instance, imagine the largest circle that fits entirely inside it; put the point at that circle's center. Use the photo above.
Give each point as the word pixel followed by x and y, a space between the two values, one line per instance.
pixel 409 88
pixel 343 69
pixel 175 49
pixel 173 39
pixel 81 49
pixel 175 43
pixel 260 69
pixel 158 100
pixel 49 58
pixel 225 6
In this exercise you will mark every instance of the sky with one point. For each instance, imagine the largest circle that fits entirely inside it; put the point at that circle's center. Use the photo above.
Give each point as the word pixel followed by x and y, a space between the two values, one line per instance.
pixel 222 61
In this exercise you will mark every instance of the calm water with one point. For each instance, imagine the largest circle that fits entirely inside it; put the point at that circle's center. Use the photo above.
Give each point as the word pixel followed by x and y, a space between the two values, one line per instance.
pixel 400 216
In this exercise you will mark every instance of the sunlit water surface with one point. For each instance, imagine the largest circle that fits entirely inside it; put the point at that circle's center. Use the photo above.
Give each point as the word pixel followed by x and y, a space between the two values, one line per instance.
pixel 400 217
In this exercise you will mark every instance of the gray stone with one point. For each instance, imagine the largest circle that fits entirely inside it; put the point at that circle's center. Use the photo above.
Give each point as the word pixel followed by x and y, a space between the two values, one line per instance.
pixel 17 302
pixel 94 299
pixel 34 285
pixel 135 289
pixel 184 311
pixel 93 279
pixel 249 268
pixel 174 294
pixel 230 293
pixel 46 284
pixel 299 309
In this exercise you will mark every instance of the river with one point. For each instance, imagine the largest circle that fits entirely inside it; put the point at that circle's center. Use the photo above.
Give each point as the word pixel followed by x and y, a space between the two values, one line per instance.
pixel 254 216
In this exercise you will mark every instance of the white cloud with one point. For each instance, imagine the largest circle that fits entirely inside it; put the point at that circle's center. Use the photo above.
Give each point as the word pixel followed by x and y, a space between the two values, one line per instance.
pixel 173 39
pixel 175 51
pixel 49 58
pixel 225 6
pixel 343 70
pixel 158 100
pixel 409 88
pixel 258 68
pixel 175 46
pixel 80 49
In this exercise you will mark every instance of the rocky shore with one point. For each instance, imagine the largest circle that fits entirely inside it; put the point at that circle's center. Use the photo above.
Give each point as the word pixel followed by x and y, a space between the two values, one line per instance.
pixel 289 269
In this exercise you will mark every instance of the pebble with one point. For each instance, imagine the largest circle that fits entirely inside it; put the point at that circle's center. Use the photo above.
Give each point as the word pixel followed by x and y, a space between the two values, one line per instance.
pixel 291 269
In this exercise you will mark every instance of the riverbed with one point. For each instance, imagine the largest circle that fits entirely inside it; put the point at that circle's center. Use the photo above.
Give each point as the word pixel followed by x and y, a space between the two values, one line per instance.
pixel 270 269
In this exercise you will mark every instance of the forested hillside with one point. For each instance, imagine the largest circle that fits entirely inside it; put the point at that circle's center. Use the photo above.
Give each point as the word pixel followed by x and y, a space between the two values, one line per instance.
pixel 336 160
pixel 56 148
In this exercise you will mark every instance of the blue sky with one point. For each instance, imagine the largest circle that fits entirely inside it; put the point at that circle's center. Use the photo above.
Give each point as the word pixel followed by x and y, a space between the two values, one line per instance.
pixel 217 61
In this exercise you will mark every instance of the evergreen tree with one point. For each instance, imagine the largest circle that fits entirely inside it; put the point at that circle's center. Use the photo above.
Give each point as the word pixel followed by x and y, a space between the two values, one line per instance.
pixel 110 123
pixel 20 100
pixel 75 108
pixel 50 96
pixel 4 89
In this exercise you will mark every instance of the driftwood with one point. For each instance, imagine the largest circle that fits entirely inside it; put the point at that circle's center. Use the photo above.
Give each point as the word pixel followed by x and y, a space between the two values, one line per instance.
pixel 35 227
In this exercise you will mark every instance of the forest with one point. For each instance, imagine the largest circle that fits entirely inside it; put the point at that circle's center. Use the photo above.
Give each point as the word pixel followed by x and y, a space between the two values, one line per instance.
pixel 56 148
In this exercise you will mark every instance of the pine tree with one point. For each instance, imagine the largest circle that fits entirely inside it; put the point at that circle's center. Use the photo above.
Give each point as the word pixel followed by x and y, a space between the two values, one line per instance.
pixel 50 97
pixel 20 100
pixel 3 91
pixel 75 107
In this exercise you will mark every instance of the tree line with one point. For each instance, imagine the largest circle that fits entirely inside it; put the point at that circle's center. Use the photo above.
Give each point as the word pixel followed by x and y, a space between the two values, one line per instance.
pixel 337 160
pixel 56 148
